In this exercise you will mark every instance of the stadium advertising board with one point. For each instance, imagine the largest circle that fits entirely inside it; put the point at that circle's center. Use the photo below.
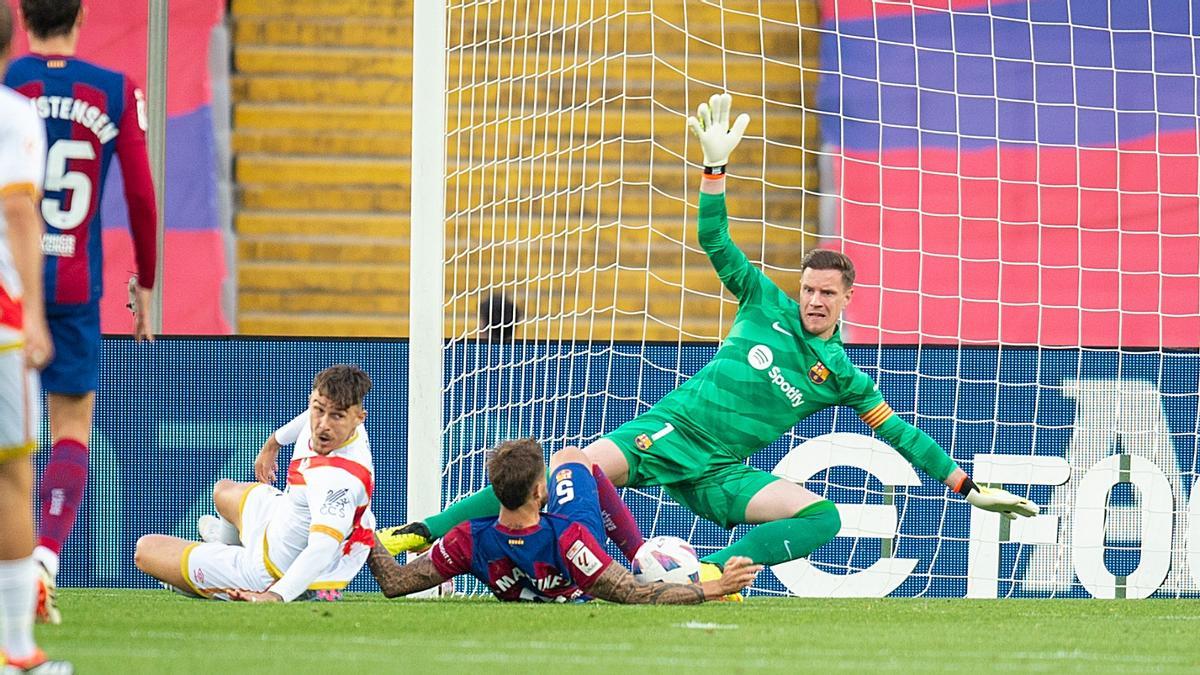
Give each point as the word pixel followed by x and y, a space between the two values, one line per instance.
pixel 1105 440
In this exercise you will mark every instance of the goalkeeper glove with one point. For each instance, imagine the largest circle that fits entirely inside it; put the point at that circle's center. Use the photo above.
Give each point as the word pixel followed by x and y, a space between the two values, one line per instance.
pixel 997 499
pixel 711 128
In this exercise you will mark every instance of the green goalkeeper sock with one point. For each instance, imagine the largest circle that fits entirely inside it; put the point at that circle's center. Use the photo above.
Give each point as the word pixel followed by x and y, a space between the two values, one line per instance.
pixel 478 505
pixel 783 540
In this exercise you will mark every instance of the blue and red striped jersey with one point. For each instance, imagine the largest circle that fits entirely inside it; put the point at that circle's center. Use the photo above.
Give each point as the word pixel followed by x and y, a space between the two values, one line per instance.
pixel 556 560
pixel 91 114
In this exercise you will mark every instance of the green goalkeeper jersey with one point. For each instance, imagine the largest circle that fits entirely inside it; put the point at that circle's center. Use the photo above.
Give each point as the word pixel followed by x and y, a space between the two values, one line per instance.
pixel 770 373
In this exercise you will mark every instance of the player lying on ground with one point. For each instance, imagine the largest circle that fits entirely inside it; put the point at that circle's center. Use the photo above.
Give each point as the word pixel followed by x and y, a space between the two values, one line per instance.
pixel 527 554
pixel 25 346
pixel 91 115
pixel 781 362
pixel 271 546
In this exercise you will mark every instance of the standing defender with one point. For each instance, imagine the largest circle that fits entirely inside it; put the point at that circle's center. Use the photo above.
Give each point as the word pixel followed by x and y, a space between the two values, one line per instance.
pixel 781 362
pixel 24 347
pixel 91 114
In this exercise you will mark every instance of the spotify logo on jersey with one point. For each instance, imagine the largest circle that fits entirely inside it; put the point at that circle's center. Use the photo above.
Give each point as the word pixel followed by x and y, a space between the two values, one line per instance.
pixel 760 357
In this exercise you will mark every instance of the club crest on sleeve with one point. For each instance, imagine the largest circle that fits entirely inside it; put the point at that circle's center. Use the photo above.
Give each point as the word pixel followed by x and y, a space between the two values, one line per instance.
pixel 818 373
pixel 642 441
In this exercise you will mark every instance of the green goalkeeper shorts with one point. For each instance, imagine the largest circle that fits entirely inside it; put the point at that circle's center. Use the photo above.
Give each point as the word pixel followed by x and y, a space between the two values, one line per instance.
pixel 713 484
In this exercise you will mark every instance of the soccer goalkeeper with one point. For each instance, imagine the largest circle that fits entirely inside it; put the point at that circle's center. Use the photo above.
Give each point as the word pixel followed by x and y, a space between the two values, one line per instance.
pixel 781 362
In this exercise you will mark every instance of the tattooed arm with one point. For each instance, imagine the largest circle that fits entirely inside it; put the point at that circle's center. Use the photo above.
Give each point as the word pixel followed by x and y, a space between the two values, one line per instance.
pixel 616 584
pixel 395 579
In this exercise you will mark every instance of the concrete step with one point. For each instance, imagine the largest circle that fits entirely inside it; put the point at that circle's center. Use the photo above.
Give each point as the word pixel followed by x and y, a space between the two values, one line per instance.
pixel 321 302
pixel 597 327
pixel 333 9
pixel 635 206
pixel 250 223
pixel 782 126
pixel 358 199
pixel 645 34
pixel 318 89
pixel 495 182
pixel 326 143
pixel 322 277
pixel 325 324
pixel 340 32
pixel 316 171
pixel 327 249
pixel 312 117
pixel 486 66
pixel 355 62
pixel 332 142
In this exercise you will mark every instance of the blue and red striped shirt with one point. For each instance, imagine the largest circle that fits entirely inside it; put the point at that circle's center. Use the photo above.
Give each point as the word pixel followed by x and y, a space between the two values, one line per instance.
pixel 91 114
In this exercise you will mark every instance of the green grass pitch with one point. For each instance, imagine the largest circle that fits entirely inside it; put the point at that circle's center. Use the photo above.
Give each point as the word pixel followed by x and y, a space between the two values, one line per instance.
pixel 123 631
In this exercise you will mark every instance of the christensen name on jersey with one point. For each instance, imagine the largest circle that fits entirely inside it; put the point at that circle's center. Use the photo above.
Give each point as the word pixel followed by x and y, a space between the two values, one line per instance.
pixel 80 112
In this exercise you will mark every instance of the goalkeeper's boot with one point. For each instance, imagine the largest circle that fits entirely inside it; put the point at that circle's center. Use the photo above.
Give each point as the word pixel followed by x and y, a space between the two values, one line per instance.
pixel 411 538
pixel 711 572
pixel 46 610
pixel 39 664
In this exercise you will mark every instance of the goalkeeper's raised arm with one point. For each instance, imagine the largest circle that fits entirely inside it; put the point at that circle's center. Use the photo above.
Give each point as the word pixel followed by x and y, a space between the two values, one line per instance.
pixel 718 138
pixel 821 305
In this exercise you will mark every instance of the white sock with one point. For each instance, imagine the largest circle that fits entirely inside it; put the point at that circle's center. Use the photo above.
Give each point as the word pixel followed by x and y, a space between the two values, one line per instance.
pixel 229 533
pixel 18 596
pixel 48 559
pixel 217 529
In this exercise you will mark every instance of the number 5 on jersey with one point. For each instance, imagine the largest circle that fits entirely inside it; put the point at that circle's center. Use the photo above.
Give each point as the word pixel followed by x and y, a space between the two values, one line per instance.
pixel 564 490
pixel 59 179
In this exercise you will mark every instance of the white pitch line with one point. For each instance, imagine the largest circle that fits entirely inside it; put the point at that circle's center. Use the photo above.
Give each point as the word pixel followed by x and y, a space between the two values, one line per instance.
pixel 700 625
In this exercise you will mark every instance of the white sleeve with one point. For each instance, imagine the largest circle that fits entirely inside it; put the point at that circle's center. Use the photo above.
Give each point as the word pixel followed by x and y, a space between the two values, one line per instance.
pixel 288 433
pixel 22 151
pixel 321 551
pixel 333 497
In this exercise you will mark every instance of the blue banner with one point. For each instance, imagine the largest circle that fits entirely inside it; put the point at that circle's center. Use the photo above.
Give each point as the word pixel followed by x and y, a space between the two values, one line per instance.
pixel 1070 428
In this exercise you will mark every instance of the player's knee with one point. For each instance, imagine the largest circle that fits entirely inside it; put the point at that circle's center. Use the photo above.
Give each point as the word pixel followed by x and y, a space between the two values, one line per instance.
pixel 223 490
pixel 142 552
pixel 825 520
pixel 569 455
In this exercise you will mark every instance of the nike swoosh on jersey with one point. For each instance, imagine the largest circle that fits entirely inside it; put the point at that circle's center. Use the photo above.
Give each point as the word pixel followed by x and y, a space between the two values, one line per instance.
pixel 780 328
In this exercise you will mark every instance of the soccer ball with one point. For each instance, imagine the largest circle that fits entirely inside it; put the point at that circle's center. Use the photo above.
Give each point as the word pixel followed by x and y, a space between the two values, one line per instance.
pixel 668 559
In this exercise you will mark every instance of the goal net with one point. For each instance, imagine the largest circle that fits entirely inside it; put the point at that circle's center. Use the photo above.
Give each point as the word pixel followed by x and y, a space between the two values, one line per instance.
pixel 1016 182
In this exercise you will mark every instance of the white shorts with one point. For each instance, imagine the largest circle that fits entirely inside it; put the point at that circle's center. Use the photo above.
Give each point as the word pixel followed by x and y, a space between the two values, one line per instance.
pixel 212 569
pixel 19 400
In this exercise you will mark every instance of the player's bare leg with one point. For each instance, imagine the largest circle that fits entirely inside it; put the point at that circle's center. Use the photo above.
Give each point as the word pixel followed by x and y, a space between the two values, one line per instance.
pixel 225 528
pixel 228 497
pixel 605 454
pixel 18 571
pixel 779 500
pixel 795 521
pixel 161 556
pixel 619 523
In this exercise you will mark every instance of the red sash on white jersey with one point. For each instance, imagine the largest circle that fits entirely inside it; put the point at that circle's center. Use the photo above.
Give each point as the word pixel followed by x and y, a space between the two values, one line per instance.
pixel 358 534
pixel 10 310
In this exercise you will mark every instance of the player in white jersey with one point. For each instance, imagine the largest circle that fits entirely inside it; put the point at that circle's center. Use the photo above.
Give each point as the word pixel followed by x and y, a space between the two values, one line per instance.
pixel 24 347
pixel 271 546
